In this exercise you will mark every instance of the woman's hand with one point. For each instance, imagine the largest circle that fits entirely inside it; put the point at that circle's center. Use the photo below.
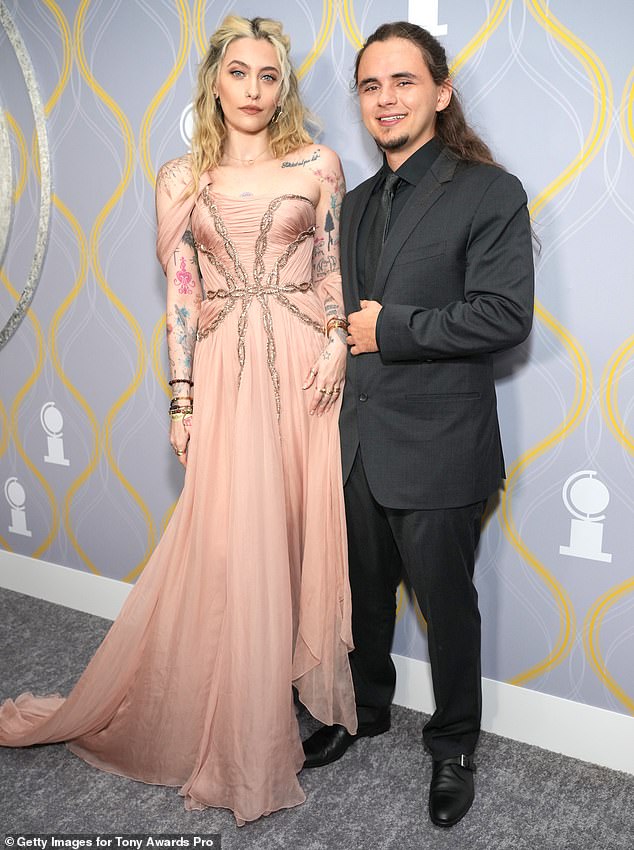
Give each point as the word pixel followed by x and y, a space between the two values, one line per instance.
pixel 179 437
pixel 326 376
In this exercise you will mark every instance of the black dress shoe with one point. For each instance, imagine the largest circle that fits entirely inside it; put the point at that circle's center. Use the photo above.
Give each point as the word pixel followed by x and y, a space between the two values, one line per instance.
pixel 451 791
pixel 329 743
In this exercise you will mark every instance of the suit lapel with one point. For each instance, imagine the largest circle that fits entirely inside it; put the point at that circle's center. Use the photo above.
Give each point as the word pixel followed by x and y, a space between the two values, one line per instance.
pixel 425 195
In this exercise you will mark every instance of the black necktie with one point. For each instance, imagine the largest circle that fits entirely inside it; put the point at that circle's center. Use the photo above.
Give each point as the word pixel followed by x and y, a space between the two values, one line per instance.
pixel 378 230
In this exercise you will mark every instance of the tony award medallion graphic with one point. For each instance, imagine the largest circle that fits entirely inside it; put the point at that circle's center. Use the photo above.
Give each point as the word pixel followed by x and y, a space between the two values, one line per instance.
pixel 15 494
pixel 53 422
pixel 586 498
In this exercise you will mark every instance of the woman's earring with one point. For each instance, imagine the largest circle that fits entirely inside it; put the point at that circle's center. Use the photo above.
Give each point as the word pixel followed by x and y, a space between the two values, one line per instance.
pixel 276 114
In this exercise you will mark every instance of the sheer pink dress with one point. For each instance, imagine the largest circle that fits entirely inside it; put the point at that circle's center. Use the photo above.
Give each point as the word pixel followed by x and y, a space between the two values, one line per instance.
pixel 246 594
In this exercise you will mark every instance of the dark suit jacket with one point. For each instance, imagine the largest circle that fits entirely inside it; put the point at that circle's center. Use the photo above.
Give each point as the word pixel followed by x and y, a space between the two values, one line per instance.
pixel 456 284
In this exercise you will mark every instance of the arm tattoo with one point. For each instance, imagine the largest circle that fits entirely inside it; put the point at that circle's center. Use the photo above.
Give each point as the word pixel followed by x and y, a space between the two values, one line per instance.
pixel 182 313
pixel 288 164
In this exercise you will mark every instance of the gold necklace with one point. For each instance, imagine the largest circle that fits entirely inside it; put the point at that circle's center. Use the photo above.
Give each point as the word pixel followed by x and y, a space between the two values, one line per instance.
pixel 247 161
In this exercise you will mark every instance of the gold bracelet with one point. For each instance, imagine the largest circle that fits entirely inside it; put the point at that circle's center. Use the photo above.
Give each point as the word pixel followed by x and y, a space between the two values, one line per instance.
pixel 181 413
pixel 336 322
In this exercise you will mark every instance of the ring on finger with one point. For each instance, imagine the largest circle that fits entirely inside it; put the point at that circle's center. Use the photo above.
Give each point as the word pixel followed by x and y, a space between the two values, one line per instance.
pixel 323 390
pixel 179 452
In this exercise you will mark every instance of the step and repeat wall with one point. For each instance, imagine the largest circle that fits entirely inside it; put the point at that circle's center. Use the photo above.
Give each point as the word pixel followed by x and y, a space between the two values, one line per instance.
pixel 95 96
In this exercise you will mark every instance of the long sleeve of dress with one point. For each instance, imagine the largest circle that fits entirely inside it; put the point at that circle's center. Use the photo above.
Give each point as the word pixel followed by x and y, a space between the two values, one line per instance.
pixel 177 253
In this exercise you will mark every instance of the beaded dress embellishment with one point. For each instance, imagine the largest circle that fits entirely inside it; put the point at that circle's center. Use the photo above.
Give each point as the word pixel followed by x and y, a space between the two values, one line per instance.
pixel 264 286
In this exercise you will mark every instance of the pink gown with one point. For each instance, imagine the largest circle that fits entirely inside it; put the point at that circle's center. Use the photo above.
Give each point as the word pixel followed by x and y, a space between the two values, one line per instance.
pixel 246 593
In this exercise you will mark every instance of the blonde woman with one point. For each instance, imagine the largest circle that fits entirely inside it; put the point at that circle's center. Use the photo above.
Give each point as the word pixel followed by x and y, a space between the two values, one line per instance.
pixel 246 595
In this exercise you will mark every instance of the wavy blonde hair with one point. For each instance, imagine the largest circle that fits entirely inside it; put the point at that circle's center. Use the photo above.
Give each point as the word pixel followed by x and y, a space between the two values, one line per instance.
pixel 286 134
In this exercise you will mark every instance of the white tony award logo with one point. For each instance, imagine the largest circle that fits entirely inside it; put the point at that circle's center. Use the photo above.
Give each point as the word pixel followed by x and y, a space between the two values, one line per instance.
pixel 15 495
pixel 425 14
pixel 187 124
pixel 53 422
pixel 586 498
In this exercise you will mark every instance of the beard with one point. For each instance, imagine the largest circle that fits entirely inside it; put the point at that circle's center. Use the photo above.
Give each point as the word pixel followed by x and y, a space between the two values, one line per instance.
pixel 392 144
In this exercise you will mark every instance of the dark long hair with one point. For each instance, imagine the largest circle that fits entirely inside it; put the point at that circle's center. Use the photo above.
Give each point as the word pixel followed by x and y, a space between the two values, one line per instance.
pixel 451 126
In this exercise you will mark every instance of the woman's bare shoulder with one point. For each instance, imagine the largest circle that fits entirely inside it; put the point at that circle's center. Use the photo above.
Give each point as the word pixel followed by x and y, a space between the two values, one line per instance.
pixel 174 173
pixel 314 155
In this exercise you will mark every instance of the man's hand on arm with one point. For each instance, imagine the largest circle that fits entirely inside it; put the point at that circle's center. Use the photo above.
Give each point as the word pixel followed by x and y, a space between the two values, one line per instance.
pixel 362 328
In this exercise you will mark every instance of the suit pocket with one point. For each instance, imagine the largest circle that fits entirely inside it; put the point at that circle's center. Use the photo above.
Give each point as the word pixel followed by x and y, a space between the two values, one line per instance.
pixel 415 253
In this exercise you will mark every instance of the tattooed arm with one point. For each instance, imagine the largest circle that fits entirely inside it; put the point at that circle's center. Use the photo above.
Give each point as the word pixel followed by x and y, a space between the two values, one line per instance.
pixel 328 372
pixel 184 296
pixel 177 255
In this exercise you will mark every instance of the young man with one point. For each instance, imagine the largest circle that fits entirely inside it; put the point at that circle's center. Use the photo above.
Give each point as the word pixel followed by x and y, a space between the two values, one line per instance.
pixel 437 267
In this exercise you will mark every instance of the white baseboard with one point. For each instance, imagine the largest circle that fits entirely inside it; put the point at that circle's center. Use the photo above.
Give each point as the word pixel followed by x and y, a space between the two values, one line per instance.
pixel 562 726
pixel 87 592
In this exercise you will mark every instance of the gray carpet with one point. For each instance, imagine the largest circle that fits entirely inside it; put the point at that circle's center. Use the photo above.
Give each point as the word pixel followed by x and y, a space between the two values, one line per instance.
pixel 375 797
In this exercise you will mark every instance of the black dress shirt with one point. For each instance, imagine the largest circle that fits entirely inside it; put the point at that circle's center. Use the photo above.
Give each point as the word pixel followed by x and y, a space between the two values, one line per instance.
pixel 411 173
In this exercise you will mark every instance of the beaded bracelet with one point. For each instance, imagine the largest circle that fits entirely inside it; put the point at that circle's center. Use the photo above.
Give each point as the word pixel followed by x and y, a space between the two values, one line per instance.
pixel 180 381
pixel 181 413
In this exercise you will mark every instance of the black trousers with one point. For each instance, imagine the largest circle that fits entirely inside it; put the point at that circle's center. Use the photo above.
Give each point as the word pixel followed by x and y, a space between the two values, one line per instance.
pixel 436 551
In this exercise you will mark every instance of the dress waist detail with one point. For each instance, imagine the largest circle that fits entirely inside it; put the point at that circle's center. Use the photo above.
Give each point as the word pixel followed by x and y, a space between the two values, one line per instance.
pixel 255 289
pixel 263 286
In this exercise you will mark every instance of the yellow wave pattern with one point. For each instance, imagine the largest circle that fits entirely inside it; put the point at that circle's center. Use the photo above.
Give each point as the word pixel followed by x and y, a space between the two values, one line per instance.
pixel 349 23
pixel 610 382
pixel 39 354
pixel 13 426
pixel 64 30
pixel 328 18
pixel 627 113
pixel 592 630
pixel 610 390
pixel 181 58
pixel 61 208
pixel 493 21
pixel 13 420
pixel 614 369
pixel 78 285
pixel 63 77
pixel 126 132
pixel 578 410
pixel 602 94
pixel 199 33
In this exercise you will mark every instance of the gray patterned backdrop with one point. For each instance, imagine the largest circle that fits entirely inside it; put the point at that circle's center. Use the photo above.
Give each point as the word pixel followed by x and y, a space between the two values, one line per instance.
pixel 101 91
